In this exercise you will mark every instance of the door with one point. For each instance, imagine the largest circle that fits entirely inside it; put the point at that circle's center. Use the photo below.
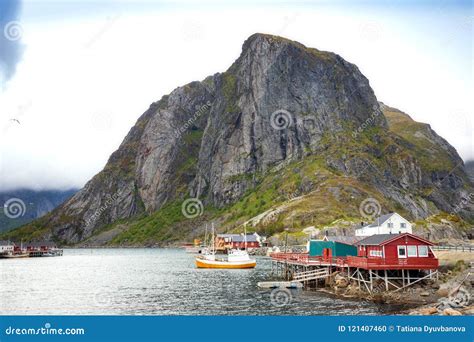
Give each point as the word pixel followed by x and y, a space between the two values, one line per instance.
pixel 327 253
pixel 402 252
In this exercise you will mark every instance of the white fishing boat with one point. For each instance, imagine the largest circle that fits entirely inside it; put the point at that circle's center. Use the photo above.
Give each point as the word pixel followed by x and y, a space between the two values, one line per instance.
pixel 235 258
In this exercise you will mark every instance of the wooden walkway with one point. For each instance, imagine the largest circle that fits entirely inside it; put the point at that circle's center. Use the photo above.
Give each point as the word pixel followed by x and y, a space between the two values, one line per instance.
pixel 303 259
pixel 321 273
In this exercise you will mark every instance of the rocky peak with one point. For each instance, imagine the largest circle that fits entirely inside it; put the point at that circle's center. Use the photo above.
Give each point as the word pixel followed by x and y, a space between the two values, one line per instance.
pixel 278 103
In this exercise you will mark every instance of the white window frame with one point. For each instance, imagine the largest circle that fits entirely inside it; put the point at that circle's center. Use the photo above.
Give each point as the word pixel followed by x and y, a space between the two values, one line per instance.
pixel 427 251
pixel 375 253
pixel 390 224
pixel 403 225
pixel 408 251
pixel 398 251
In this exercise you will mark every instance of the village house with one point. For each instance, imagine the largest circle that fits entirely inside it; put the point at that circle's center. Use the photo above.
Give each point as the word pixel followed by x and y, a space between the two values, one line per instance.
pixel 238 241
pixel 40 246
pixel 391 223
pixel 6 247
pixel 395 251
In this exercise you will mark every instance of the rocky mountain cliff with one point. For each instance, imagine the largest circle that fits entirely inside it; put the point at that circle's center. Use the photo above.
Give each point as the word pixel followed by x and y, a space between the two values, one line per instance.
pixel 285 125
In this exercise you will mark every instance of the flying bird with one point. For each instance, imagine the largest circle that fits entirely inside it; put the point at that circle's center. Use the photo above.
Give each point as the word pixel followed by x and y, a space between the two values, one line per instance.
pixel 16 120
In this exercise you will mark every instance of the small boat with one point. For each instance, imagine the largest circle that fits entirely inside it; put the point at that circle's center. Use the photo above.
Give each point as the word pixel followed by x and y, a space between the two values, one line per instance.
pixel 14 255
pixel 235 258
pixel 193 248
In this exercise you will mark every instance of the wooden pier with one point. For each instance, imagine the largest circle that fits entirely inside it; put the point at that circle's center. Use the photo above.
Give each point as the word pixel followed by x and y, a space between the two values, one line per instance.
pixel 383 275
pixel 384 262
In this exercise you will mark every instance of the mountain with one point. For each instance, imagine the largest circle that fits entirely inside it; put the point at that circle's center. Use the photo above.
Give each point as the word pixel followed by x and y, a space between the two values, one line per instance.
pixel 23 206
pixel 287 136
pixel 469 167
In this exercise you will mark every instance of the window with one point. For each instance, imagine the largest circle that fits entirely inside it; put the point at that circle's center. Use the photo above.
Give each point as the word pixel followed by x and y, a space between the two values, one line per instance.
pixel 374 253
pixel 422 251
pixel 390 225
pixel 402 251
pixel 403 225
pixel 411 251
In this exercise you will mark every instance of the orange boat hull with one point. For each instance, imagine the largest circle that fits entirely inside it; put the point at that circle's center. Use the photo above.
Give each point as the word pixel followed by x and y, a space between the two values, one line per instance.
pixel 201 263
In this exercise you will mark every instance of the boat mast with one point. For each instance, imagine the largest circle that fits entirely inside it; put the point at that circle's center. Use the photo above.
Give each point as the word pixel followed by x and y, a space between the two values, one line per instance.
pixel 213 240
pixel 245 237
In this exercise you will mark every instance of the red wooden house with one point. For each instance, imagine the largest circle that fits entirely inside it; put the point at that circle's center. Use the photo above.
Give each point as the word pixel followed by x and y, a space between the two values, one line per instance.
pixel 394 251
pixel 241 242
pixel 40 246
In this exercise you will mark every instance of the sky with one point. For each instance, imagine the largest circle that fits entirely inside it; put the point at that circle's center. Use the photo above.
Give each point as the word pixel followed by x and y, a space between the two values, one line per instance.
pixel 76 75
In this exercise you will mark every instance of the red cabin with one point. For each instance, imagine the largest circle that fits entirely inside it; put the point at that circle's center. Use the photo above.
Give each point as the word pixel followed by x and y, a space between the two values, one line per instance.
pixel 389 251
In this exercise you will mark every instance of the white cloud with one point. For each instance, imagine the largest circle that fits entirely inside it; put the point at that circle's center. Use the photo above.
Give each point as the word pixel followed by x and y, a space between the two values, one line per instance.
pixel 83 83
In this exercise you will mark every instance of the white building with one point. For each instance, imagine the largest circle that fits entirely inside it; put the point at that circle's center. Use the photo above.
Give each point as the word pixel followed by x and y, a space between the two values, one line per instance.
pixel 391 223
pixel 6 246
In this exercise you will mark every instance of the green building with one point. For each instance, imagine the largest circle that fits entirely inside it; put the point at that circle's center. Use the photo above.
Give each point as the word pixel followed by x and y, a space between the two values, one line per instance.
pixel 336 249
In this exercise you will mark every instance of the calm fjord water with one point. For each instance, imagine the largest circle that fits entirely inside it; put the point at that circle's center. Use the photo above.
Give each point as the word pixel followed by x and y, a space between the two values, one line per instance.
pixel 151 282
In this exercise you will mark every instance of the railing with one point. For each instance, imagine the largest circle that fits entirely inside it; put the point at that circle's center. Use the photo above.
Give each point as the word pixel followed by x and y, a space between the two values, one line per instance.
pixel 304 258
pixel 311 275
pixel 381 263
pixel 453 248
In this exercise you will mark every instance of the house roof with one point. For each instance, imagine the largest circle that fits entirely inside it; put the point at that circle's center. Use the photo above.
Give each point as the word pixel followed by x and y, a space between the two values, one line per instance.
pixel 6 243
pixel 348 240
pixel 379 220
pixel 227 235
pixel 240 238
pixel 41 244
pixel 383 239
